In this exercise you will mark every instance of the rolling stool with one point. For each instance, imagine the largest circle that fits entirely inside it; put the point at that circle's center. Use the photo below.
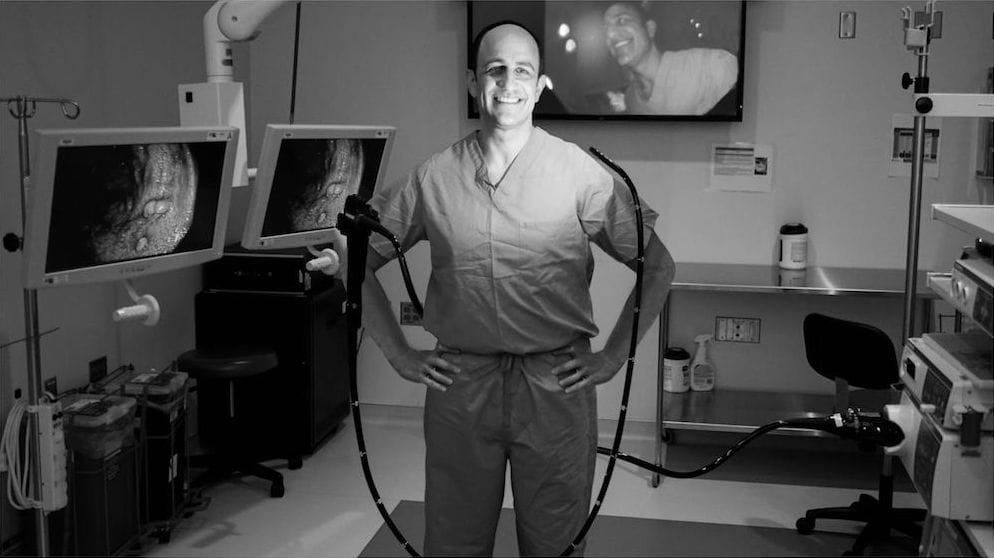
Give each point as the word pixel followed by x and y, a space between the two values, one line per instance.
pixel 219 371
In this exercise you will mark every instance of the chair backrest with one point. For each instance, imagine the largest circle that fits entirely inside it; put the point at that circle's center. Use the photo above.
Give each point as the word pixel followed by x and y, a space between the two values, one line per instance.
pixel 860 354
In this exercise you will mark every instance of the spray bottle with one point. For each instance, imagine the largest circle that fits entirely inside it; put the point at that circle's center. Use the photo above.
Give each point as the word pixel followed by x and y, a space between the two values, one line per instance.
pixel 702 371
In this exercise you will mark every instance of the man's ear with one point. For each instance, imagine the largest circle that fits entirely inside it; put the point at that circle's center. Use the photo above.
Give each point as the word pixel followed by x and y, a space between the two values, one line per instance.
pixel 471 84
pixel 650 28
pixel 543 82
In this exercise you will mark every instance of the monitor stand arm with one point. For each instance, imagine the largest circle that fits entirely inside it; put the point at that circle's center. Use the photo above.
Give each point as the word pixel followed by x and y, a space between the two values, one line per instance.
pixel 145 307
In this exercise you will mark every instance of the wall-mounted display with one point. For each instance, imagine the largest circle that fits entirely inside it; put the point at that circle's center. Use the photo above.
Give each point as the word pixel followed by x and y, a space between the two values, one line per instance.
pixel 644 60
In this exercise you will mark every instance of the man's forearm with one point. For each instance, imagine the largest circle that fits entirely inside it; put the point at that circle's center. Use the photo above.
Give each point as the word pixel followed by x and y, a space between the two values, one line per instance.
pixel 659 270
pixel 379 319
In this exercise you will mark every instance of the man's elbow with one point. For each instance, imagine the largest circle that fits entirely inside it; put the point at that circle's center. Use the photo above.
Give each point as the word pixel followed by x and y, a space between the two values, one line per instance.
pixel 659 263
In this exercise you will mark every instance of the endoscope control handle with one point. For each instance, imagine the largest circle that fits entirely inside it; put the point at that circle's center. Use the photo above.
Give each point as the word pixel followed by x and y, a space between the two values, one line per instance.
pixel 327 261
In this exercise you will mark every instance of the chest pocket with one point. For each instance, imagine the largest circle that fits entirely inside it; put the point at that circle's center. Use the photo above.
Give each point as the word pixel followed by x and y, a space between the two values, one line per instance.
pixel 534 245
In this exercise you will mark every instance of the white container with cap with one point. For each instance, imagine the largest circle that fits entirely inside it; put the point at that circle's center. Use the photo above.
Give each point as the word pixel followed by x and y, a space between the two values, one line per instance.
pixel 676 370
pixel 793 246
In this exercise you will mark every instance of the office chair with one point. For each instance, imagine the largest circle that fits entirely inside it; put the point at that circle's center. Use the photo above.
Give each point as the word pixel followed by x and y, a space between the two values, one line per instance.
pixel 862 356
pixel 230 419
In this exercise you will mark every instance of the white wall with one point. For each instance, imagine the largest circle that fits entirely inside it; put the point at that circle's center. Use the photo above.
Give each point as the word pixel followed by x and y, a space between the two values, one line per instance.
pixel 825 105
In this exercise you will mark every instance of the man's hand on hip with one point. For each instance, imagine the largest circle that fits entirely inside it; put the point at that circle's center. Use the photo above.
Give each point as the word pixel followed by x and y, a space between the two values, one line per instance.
pixel 425 367
pixel 584 369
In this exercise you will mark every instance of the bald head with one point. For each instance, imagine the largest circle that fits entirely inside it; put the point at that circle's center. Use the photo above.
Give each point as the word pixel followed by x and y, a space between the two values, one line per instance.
pixel 489 36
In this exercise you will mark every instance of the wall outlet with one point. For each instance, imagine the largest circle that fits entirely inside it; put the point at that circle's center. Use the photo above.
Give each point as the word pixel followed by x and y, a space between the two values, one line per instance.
pixel 408 315
pixel 98 369
pixel 737 330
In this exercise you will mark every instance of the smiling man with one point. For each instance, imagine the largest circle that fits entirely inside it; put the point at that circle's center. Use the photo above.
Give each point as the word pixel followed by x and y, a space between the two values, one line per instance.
pixel 689 81
pixel 510 213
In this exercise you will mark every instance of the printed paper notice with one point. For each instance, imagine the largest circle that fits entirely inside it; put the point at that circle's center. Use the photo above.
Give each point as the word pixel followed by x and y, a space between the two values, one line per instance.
pixel 741 167
pixel 902 146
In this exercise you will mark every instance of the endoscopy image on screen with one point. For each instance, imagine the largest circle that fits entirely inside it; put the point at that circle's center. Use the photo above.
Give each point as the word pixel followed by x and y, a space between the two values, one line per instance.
pixel 114 203
pixel 313 177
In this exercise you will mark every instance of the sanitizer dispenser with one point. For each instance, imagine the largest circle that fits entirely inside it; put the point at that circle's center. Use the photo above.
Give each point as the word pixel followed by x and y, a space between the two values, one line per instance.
pixel 702 371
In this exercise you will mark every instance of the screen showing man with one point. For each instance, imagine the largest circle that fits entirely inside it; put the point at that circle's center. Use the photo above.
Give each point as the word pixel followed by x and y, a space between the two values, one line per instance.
pixel 656 60
pixel 686 81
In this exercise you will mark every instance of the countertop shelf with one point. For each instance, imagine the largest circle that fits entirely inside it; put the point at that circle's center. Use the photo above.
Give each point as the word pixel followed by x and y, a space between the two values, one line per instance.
pixel 977 220
pixel 726 410
pixel 815 280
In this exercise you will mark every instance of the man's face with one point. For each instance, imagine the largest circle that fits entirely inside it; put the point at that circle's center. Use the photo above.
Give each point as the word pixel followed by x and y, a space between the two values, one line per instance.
pixel 628 37
pixel 506 84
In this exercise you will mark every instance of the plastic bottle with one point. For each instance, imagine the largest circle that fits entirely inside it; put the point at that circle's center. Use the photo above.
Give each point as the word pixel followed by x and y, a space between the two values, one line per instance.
pixel 702 371
pixel 676 372
pixel 793 246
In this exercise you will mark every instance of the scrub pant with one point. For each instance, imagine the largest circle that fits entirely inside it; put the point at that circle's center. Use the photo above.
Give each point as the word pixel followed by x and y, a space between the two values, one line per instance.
pixel 507 408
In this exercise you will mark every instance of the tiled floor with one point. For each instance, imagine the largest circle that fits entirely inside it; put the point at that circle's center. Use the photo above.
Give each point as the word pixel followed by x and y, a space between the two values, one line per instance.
pixel 327 510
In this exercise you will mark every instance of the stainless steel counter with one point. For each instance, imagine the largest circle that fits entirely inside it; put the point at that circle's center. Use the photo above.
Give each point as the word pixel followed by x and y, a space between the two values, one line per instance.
pixel 743 411
pixel 848 281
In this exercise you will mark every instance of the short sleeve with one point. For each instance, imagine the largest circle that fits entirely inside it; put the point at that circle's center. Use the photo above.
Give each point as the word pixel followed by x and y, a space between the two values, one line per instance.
pixel 607 214
pixel 401 212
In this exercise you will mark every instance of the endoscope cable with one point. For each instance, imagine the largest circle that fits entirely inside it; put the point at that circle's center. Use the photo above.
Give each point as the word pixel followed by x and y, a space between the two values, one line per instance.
pixel 633 345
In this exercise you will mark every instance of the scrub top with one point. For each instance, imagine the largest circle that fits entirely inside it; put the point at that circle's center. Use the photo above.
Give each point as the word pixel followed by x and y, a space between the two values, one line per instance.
pixel 690 81
pixel 511 262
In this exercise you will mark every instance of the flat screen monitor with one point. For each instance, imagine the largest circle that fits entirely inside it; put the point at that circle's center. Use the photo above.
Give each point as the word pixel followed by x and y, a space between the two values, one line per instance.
pixel 304 174
pixel 117 203
pixel 643 60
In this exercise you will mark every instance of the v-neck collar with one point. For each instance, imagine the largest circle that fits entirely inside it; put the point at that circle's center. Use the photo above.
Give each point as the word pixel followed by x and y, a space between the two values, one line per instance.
pixel 518 165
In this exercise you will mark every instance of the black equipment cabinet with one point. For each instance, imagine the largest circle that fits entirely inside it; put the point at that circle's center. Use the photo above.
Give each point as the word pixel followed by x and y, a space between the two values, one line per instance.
pixel 292 408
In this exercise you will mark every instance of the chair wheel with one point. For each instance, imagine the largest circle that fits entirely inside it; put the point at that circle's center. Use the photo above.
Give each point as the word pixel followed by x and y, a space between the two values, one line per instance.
pixel 805 525
pixel 295 463
pixel 277 490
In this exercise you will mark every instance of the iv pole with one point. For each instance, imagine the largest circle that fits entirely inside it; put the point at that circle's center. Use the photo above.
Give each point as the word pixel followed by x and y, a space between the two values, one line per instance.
pixel 22 108
pixel 916 38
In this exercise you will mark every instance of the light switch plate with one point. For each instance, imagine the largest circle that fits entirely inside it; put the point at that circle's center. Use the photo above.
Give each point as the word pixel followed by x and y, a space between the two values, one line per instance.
pixel 847 25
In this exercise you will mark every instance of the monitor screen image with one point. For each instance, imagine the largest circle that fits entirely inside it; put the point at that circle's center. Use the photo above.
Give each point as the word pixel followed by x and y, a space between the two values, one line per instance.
pixel 110 204
pixel 304 175
pixel 631 60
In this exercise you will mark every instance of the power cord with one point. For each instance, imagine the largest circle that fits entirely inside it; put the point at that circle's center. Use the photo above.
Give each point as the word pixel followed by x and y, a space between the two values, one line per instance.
pixel 17 463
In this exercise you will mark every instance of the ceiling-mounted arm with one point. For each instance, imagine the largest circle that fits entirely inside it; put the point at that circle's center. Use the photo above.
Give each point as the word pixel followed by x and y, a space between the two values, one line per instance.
pixel 220 100
pixel 229 21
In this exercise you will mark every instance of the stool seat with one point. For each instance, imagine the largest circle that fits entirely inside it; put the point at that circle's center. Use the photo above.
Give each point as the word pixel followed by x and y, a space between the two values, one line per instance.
pixel 224 421
pixel 227 363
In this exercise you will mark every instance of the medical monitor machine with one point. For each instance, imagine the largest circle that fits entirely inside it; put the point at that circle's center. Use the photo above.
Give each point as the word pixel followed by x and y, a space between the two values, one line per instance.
pixel 118 203
pixel 305 173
